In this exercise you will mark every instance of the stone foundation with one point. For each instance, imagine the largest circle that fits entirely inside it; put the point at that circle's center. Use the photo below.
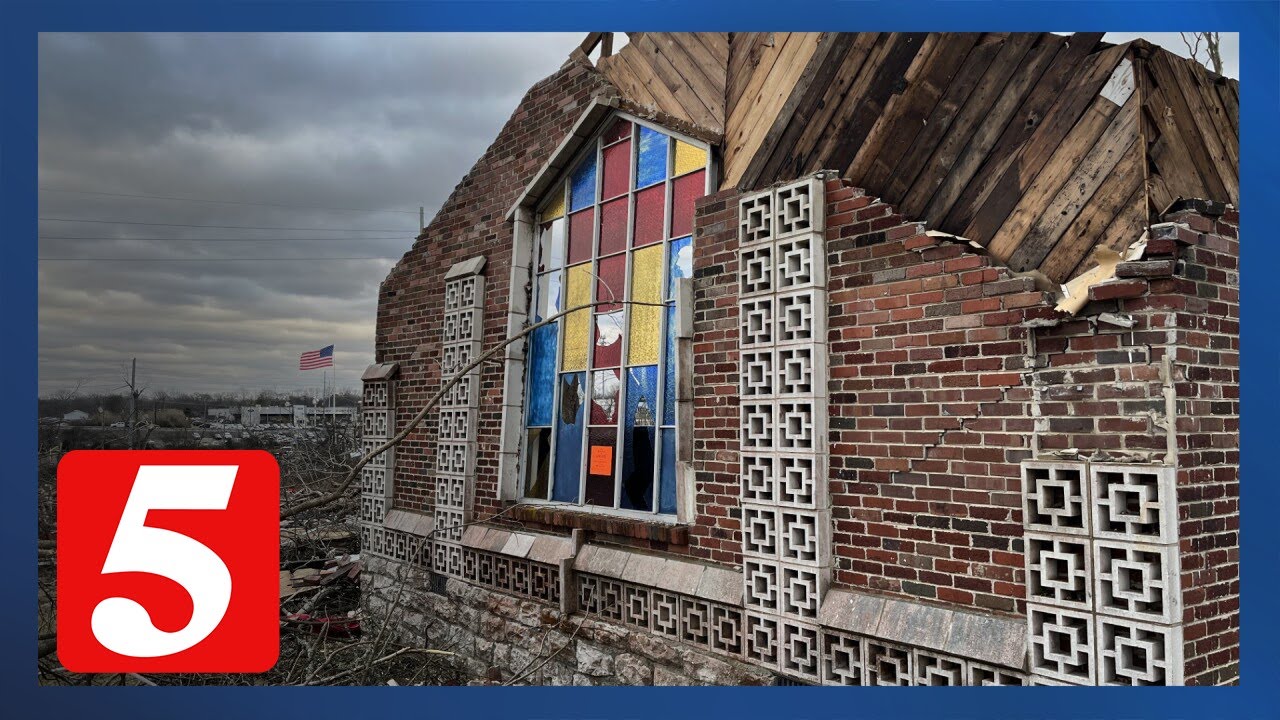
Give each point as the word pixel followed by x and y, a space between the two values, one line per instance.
pixel 498 638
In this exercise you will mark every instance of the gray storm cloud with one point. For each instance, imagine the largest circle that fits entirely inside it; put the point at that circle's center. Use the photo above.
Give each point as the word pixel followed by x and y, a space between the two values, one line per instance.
pixel 335 122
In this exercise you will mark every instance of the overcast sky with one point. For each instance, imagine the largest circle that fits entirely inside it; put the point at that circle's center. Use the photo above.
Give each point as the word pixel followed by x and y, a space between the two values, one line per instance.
pixel 339 137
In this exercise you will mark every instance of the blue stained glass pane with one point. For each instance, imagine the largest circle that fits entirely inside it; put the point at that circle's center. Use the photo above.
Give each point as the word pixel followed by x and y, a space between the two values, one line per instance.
pixel 669 371
pixel 542 374
pixel 679 263
pixel 651 166
pixel 583 192
pixel 569 424
pixel 639 438
pixel 667 488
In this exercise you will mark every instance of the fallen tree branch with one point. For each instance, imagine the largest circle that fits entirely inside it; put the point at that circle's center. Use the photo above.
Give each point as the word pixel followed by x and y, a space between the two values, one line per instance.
pixel 435 400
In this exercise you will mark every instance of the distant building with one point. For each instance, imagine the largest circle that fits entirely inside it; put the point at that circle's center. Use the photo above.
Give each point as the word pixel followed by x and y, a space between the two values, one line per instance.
pixel 75 416
pixel 300 415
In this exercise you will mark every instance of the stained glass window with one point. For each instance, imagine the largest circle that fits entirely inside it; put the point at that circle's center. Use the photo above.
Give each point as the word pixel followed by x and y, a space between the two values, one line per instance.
pixel 614 233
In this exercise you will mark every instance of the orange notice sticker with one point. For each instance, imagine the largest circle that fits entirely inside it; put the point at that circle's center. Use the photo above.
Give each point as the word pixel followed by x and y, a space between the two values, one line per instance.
pixel 601 460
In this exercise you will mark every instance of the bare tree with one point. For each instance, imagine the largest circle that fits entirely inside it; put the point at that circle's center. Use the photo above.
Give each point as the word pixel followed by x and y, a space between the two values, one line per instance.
pixel 1209 43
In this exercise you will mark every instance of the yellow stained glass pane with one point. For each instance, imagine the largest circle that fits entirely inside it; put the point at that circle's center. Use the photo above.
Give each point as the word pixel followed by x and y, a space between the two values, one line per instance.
pixel 556 208
pixel 689 158
pixel 577 325
pixel 646 286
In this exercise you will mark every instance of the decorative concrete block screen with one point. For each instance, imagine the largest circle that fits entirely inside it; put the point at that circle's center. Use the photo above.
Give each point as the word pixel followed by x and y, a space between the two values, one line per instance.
pixel 377 419
pixel 1103 595
pixel 459 408
pixel 786 520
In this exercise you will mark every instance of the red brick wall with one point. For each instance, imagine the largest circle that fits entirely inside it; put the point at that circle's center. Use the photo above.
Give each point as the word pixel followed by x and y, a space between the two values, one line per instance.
pixel 1207 356
pixel 471 222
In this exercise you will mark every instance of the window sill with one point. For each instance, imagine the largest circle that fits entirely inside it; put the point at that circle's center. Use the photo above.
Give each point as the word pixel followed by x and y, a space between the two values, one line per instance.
pixel 562 517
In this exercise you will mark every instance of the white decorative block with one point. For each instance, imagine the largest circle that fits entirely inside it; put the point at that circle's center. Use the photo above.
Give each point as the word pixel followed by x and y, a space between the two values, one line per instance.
pixel 762 639
pixel 758 425
pixel 755 218
pixel 1137 581
pixel 888 664
pixel 755 270
pixel 800 262
pixel 665 609
pixel 757 376
pixel 801 317
pixel 449 524
pixel 800 427
pixel 637 606
pixel 695 621
pixel 454 458
pixel 1138 653
pixel 802 534
pixel 375 422
pixel 800 208
pixel 761 581
pixel 932 669
pixel 758 485
pixel 759 531
pixel 756 321
pixel 801 371
pixel 983 675
pixel 1058 571
pixel 1061 644
pixel 800 652
pixel 727 631
pixel 1134 502
pixel 802 590
pixel 1055 497
pixel 842 659
pixel 802 481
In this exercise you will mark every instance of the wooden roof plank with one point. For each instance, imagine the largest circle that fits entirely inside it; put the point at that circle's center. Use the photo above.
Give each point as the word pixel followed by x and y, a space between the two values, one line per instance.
pixel 1223 165
pixel 980 122
pixel 1111 198
pixel 908 90
pixel 1066 65
pixel 1073 104
pixel 852 126
pixel 912 130
pixel 1065 205
pixel 814 81
pixel 904 169
pixel 1184 119
pixel 658 54
pixel 811 122
pixel 764 95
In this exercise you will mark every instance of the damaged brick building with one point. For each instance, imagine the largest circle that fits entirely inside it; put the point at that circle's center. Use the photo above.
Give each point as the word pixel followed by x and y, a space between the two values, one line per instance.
pixel 840 358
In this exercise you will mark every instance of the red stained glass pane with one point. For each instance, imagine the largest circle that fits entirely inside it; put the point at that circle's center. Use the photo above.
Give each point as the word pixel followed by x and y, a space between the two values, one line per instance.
pixel 612 283
pixel 650 204
pixel 617 169
pixel 613 227
pixel 618 130
pixel 684 191
pixel 580 237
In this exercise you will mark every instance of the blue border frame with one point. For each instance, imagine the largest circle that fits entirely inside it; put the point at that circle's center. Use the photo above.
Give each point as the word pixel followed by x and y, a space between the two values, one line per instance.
pixel 1259 25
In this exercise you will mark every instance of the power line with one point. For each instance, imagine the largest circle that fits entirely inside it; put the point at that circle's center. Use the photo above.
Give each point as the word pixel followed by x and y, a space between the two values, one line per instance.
pixel 230 259
pixel 222 227
pixel 225 202
pixel 184 239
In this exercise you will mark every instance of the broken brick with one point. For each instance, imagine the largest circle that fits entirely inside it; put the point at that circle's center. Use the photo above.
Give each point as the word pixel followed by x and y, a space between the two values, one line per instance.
pixel 1118 290
pixel 1146 268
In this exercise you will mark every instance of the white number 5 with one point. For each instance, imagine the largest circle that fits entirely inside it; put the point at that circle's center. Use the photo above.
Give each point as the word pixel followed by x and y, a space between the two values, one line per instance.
pixel 122 625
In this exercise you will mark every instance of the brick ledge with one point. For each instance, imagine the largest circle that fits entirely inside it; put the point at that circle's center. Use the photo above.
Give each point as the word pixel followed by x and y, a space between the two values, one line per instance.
pixel 559 517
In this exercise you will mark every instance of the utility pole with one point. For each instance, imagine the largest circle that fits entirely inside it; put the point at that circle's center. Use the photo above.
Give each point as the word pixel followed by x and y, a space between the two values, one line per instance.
pixel 133 401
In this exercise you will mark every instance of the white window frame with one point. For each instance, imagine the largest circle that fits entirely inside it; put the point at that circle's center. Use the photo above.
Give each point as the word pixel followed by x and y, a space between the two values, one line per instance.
pixel 525 218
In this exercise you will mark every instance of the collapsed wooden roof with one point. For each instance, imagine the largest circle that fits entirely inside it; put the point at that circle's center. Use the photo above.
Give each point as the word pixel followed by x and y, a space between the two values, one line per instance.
pixel 1039 146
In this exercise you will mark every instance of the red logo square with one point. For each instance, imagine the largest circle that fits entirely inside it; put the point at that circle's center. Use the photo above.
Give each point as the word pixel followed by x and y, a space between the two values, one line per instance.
pixel 168 561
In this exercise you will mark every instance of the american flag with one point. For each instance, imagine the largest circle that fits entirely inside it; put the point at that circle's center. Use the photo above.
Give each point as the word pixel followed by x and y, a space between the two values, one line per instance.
pixel 313 359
